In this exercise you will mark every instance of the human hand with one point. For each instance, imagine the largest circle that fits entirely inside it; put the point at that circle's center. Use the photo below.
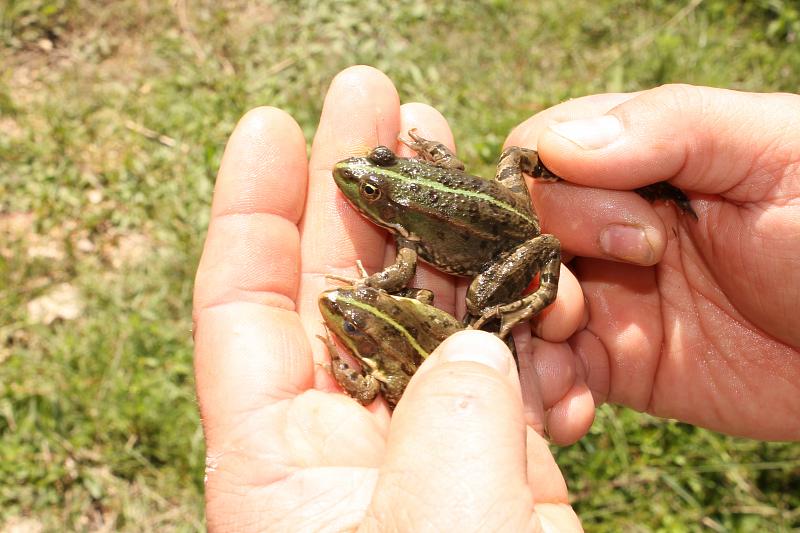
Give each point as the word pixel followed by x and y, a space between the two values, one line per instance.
pixel 285 448
pixel 697 320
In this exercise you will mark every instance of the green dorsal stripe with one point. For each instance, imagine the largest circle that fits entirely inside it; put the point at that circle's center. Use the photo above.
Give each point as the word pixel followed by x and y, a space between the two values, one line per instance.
pixel 443 188
pixel 389 320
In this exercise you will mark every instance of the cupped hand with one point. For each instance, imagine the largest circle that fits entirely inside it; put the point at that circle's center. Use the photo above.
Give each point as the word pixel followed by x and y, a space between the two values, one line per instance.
pixel 285 448
pixel 697 320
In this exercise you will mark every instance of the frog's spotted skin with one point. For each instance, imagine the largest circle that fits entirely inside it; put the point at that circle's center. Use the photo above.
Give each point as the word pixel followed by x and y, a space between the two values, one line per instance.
pixel 390 336
pixel 460 223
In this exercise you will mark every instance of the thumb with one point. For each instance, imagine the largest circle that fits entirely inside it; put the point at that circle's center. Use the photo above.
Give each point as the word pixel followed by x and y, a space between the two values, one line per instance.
pixel 701 139
pixel 457 441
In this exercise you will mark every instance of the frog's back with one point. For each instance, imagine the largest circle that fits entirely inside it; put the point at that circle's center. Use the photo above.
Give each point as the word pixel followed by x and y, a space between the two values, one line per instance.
pixel 460 221
pixel 428 325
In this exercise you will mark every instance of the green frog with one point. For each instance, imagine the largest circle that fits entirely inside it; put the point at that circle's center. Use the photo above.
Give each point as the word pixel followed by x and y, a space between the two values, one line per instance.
pixel 389 335
pixel 462 224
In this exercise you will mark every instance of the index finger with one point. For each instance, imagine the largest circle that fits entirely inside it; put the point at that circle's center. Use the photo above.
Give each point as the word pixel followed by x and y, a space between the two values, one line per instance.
pixel 249 343
pixel 592 222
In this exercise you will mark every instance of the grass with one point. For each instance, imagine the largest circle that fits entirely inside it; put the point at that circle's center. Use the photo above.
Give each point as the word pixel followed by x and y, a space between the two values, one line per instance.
pixel 113 117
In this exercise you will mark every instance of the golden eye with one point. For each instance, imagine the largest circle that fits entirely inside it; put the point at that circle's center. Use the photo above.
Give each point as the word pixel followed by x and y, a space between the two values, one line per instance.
pixel 370 191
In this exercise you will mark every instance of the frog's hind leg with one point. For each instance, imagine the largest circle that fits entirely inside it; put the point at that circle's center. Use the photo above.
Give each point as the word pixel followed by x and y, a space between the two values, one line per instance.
pixel 516 161
pixel 359 385
pixel 545 251
pixel 433 152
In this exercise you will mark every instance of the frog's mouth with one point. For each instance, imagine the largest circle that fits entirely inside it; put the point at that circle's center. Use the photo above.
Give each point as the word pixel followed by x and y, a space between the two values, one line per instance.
pixel 335 343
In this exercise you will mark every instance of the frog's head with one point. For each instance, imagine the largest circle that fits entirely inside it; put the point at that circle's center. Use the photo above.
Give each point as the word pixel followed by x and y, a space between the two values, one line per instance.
pixel 348 314
pixel 373 325
pixel 369 184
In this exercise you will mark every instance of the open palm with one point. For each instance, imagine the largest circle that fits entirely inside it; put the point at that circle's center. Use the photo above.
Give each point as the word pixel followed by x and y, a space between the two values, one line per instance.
pixel 285 448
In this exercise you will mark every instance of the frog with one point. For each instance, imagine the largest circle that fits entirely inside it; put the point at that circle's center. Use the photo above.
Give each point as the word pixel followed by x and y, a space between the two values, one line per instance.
pixel 462 224
pixel 390 335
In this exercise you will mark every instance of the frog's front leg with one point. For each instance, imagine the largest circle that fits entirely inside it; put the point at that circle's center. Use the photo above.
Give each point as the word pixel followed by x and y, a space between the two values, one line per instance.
pixel 433 152
pixel 497 291
pixel 396 276
pixel 359 385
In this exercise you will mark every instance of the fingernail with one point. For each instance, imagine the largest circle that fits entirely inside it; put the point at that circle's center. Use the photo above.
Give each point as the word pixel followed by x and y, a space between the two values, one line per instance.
pixel 590 133
pixel 628 243
pixel 477 347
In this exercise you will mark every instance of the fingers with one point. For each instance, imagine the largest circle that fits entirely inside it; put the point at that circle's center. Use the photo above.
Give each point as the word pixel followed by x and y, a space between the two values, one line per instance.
pixel 558 321
pixel 564 391
pixel 461 417
pixel 607 224
pixel 249 345
pixel 592 222
pixel 701 139
pixel 574 109
pixel 621 346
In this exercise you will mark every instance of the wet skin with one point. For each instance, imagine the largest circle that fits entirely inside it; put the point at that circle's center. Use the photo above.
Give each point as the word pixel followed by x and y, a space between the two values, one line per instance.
pixel 389 336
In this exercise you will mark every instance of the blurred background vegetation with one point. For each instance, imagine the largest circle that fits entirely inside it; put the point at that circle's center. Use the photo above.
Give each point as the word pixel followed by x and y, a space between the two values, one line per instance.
pixel 113 118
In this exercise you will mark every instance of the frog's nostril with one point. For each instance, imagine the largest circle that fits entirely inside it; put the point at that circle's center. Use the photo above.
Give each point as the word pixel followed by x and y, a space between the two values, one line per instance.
pixel 343 172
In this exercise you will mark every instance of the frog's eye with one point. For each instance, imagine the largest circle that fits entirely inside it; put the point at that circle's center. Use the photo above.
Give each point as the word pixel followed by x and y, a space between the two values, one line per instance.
pixel 382 156
pixel 349 327
pixel 370 191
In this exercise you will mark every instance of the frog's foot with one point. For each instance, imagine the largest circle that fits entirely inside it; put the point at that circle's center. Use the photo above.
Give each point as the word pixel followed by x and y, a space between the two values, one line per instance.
pixel 361 270
pixel 488 315
pixel 433 152
pixel 510 315
pixel 342 279
pixel 358 385
pixel 362 273
pixel 497 292
pixel 663 190
pixel 396 276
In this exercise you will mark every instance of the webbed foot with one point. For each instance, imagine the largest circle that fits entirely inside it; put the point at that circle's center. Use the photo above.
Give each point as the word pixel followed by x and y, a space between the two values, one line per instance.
pixel 433 152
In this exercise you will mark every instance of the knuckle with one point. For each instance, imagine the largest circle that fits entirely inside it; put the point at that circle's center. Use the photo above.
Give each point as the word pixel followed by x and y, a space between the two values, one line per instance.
pixel 682 97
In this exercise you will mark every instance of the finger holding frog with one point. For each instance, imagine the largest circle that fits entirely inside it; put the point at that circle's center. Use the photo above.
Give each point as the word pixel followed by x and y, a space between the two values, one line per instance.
pixel 594 222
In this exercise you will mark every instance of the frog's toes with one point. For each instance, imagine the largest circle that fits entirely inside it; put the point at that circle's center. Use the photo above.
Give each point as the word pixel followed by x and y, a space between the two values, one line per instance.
pixel 361 270
pixel 343 279
pixel 362 274
pixel 487 315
